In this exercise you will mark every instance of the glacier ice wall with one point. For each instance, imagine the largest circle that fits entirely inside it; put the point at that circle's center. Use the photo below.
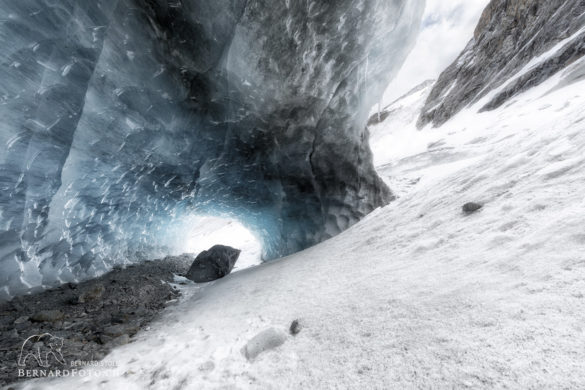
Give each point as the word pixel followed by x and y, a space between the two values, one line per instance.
pixel 121 117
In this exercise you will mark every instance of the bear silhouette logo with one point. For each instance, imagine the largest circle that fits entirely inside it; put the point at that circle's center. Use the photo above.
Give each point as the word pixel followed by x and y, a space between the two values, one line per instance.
pixel 41 347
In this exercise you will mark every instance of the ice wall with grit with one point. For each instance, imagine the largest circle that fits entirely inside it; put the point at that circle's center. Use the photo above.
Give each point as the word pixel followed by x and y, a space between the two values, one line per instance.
pixel 122 117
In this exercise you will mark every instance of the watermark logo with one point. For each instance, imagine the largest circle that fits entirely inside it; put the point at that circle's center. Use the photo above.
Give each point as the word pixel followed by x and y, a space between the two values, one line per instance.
pixel 43 348
pixel 41 356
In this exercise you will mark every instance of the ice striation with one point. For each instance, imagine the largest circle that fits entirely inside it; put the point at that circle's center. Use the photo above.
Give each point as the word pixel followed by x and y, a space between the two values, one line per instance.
pixel 122 118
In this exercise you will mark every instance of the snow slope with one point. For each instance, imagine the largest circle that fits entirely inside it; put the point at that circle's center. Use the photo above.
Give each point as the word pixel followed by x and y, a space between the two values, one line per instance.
pixel 417 295
pixel 206 231
pixel 398 126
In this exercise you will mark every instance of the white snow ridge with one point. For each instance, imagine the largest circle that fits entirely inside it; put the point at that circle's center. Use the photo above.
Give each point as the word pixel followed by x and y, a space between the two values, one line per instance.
pixel 417 295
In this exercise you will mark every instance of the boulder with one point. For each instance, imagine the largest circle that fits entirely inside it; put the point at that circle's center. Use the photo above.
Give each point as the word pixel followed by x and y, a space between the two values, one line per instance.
pixel 295 327
pixel 471 207
pixel 213 264
pixel 263 341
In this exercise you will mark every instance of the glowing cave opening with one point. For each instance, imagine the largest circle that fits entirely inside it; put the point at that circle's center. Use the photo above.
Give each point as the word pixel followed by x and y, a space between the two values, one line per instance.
pixel 203 232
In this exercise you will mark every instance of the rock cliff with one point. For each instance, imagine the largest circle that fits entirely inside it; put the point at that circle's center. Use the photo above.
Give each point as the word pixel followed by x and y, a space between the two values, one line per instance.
pixel 516 45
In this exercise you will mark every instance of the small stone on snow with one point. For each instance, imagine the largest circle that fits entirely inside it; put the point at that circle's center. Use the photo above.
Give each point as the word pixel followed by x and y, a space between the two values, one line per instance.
pixel 471 207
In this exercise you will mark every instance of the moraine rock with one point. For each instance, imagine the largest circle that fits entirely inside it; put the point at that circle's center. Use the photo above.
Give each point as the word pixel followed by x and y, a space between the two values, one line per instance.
pixel 295 327
pixel 92 328
pixel 93 294
pixel 121 340
pixel 510 34
pixel 213 264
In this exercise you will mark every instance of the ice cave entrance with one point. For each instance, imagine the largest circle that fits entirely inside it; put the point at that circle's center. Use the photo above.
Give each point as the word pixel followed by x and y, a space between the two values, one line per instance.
pixel 206 231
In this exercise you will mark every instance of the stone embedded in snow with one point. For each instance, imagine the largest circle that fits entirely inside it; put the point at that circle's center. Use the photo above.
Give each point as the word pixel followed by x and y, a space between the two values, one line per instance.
pixel 263 341
pixel 471 207
pixel 92 294
pixel 212 264
pixel 295 327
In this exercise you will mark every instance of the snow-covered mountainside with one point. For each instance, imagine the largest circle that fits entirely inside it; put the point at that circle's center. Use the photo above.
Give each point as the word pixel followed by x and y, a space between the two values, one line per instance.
pixel 517 44
pixel 390 126
pixel 209 231
pixel 418 294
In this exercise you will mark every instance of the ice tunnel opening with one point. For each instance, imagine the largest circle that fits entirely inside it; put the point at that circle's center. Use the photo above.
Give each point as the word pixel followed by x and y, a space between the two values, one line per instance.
pixel 200 233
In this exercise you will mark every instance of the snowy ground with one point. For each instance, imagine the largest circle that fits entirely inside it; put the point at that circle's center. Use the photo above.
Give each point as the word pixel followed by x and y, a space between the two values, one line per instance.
pixel 417 295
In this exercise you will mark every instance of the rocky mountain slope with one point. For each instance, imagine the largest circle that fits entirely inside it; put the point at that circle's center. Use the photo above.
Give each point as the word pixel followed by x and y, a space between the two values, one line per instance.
pixel 517 44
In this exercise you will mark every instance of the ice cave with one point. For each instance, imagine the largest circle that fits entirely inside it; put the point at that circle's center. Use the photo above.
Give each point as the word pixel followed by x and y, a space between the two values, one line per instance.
pixel 122 119
pixel 292 194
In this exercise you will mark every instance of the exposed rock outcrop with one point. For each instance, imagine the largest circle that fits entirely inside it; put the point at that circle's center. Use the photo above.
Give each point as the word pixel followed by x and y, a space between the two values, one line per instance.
pixel 516 45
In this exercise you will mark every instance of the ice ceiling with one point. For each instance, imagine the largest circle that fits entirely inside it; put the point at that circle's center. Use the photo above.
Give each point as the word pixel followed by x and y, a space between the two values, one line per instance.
pixel 121 118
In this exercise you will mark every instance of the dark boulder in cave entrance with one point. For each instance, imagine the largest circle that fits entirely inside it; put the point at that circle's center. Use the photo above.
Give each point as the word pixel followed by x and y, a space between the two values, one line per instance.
pixel 213 264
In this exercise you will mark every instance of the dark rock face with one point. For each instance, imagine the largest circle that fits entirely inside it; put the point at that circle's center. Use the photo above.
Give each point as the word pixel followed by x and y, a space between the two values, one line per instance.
pixel 120 117
pixel 510 34
pixel 213 264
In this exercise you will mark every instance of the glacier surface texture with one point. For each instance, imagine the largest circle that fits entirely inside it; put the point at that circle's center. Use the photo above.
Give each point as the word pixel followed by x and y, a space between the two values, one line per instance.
pixel 120 118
